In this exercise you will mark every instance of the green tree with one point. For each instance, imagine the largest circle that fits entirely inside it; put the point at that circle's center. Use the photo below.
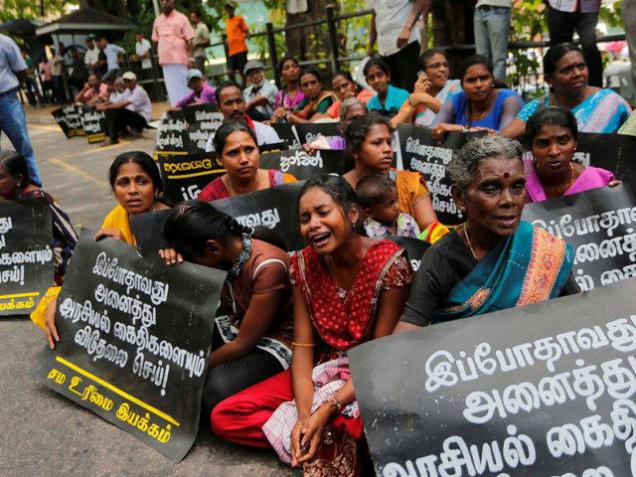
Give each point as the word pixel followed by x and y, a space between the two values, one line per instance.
pixel 30 9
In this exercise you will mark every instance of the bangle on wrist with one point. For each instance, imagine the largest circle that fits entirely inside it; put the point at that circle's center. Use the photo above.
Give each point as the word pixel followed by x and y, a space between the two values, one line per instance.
pixel 334 404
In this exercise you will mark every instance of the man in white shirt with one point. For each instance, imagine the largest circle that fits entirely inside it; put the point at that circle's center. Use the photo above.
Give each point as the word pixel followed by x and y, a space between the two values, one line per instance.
pixel 112 53
pixel 142 53
pixel 231 103
pixel 393 24
pixel 134 111
pixel 57 67
pixel 492 27
pixel 91 57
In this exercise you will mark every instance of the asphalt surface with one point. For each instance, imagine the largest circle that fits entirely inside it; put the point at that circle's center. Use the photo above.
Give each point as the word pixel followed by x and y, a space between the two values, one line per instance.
pixel 43 433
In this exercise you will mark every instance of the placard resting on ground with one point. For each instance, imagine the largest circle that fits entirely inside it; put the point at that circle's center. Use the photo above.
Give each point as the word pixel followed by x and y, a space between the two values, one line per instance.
pixel 303 165
pixel 541 390
pixel 186 174
pixel 27 266
pixel 135 338
pixel 172 133
pixel 94 124
pixel 421 153
pixel 69 118
pixel 600 224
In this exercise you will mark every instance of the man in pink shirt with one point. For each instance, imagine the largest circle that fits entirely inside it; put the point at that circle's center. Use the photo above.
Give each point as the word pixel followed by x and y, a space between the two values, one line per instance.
pixel 172 35
pixel 94 92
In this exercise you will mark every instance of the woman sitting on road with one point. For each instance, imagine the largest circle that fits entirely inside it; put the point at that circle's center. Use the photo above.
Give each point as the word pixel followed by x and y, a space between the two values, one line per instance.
pixel 596 110
pixel 254 337
pixel 494 260
pixel 551 134
pixel 481 105
pixel 16 185
pixel 137 185
pixel 389 99
pixel 346 87
pixel 369 143
pixel 316 100
pixel 240 157
pixel 289 97
pixel 347 290
pixel 432 90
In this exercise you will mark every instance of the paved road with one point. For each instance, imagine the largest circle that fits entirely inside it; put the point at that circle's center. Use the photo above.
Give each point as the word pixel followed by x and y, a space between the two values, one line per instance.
pixel 42 433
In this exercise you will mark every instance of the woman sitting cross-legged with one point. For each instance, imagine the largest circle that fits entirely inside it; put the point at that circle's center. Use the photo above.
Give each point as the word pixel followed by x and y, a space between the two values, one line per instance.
pixel 239 155
pixel 494 260
pixel 551 134
pixel 347 289
pixel 253 338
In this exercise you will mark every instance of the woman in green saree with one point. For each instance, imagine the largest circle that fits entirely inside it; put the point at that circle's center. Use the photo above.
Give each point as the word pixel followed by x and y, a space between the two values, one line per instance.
pixel 494 260
pixel 316 99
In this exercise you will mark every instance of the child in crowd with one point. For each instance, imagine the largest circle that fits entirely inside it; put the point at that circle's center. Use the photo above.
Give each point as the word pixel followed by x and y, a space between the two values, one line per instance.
pixel 377 196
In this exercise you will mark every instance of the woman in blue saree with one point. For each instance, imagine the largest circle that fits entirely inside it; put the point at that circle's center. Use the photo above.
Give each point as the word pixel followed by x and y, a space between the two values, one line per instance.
pixel 494 260
pixel 596 110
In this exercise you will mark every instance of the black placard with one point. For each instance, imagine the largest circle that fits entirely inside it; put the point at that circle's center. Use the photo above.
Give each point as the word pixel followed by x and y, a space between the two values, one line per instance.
pixel 172 133
pixel 202 122
pixel 135 338
pixel 27 264
pixel 542 390
pixel 275 208
pixel 303 166
pixel 287 133
pixel 421 153
pixel 69 118
pixel 600 224
pixel 308 133
pixel 93 124
pixel 186 174
pixel 414 248
pixel 148 231
pixel 614 152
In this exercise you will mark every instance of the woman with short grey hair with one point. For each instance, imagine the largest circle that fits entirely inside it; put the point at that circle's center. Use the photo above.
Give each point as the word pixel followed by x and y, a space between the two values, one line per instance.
pixel 494 260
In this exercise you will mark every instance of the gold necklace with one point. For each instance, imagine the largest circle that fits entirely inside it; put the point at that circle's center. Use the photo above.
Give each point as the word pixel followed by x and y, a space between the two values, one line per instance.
pixel 468 240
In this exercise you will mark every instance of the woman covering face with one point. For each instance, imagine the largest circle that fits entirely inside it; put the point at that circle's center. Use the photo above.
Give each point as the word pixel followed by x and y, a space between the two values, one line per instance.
pixel 552 135
pixel 461 275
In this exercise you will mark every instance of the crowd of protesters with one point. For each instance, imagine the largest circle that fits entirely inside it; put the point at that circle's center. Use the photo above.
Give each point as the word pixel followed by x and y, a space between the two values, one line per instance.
pixel 278 375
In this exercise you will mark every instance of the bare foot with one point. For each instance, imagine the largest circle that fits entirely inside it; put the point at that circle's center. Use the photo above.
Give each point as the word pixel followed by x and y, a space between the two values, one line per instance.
pixel 107 142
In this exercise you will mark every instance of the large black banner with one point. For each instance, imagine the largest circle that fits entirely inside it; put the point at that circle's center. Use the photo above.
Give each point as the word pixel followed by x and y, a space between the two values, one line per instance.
pixel 135 338
pixel 69 118
pixel 542 390
pixel 303 166
pixel 186 174
pixel 600 225
pixel 93 124
pixel 27 265
pixel 308 133
pixel 421 153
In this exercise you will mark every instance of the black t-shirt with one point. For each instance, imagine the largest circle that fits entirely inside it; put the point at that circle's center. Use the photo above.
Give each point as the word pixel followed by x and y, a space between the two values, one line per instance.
pixel 443 266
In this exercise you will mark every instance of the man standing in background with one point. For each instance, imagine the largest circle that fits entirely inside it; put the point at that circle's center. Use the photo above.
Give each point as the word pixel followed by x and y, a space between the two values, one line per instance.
pixel 393 24
pixel 566 16
pixel 492 27
pixel 112 53
pixel 201 39
pixel 13 71
pixel 237 31
pixel 142 54
pixel 91 57
pixel 172 35
pixel 57 67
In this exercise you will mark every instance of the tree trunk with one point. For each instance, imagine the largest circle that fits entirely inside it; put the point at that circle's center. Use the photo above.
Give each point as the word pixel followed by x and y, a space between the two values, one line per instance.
pixel 310 43
pixel 453 25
